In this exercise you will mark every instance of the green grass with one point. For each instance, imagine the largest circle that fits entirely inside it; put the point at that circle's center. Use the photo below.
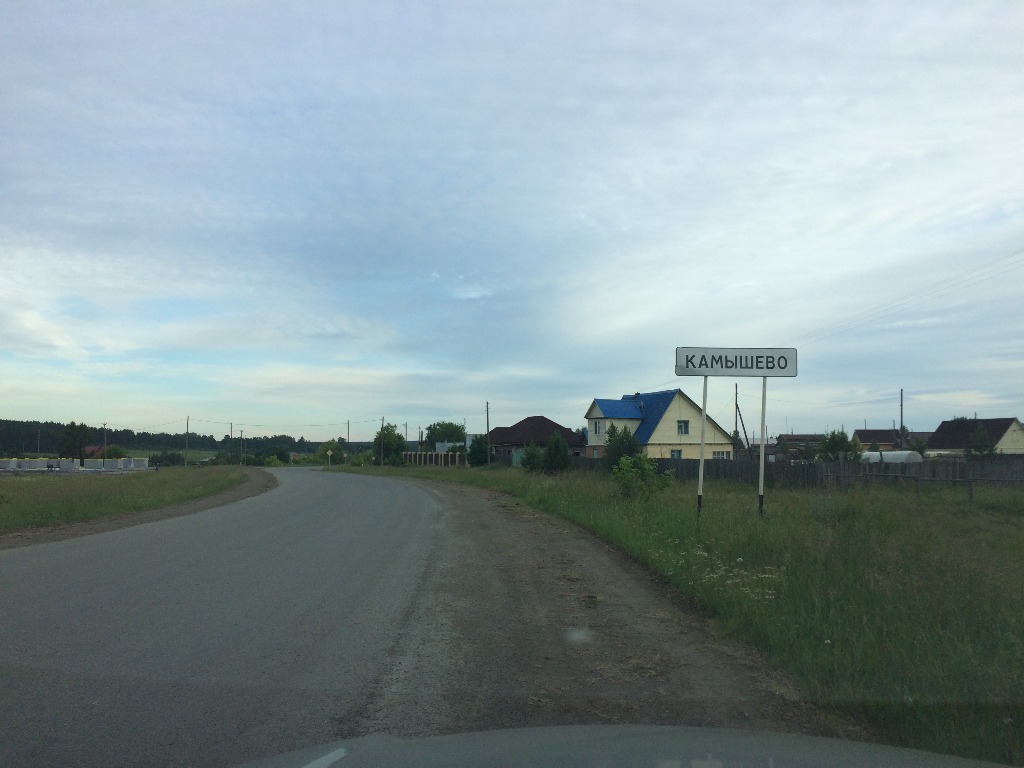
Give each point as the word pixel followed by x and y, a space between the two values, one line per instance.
pixel 31 501
pixel 905 608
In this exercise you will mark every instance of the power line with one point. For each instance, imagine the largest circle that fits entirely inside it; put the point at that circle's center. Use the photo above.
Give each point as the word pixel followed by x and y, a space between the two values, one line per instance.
pixel 969 277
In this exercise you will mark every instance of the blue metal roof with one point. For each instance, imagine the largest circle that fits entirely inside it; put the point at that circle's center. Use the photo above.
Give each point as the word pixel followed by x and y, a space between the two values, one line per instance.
pixel 647 407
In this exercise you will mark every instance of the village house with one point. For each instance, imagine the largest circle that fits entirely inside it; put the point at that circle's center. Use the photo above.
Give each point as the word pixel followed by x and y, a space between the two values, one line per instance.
pixel 666 424
pixel 509 443
pixel 953 437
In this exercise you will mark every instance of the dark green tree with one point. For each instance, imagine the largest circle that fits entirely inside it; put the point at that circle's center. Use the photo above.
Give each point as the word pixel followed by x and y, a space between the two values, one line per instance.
pixel 533 459
pixel 478 451
pixel 76 437
pixel 619 443
pixel 337 452
pixel 556 454
pixel 837 443
pixel 737 441
pixel 979 445
pixel 444 432
pixel 115 452
pixel 389 445
pixel 782 449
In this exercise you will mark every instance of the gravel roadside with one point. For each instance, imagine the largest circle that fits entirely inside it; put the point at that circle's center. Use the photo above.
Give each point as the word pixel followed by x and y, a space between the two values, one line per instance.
pixel 525 620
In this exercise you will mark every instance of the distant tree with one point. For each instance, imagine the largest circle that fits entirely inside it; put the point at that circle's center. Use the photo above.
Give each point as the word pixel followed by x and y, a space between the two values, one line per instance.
pixel 979 445
pixel 478 451
pixel 556 454
pixel 837 443
pixel 389 445
pixel 533 459
pixel 782 448
pixel 619 443
pixel 444 432
pixel 115 452
pixel 337 452
pixel 919 445
pixel 737 441
pixel 167 459
pixel 76 437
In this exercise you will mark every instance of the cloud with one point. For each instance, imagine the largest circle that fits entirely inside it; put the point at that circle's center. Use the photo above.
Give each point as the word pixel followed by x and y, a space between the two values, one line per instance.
pixel 356 201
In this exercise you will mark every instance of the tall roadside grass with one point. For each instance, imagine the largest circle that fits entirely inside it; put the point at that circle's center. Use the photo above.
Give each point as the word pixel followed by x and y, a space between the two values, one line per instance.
pixel 32 501
pixel 900 606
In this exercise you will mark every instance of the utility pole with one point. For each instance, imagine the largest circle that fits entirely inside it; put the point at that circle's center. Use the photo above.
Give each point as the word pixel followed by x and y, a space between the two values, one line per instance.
pixel 382 441
pixel 104 445
pixel 186 440
pixel 488 433
pixel 903 439
pixel 241 447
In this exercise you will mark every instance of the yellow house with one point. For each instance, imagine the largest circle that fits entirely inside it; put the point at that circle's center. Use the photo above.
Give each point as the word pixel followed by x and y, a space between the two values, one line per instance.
pixel 666 424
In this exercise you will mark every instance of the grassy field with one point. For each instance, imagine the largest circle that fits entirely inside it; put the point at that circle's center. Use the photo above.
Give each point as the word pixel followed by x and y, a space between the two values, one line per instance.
pixel 903 608
pixel 28 501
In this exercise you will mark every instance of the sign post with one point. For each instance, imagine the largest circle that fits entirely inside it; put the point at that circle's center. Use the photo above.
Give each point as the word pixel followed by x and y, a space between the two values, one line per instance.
pixel 727 361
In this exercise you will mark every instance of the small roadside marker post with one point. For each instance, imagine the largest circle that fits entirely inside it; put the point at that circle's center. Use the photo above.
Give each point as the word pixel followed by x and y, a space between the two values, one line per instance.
pixel 729 361
pixel 330 452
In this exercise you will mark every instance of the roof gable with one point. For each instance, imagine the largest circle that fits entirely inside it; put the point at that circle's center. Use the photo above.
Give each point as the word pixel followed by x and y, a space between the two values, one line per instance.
pixel 532 429
pixel 956 433
pixel 652 407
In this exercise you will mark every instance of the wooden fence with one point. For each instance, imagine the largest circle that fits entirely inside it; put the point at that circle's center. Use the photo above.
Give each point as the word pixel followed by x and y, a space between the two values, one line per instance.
pixel 1005 470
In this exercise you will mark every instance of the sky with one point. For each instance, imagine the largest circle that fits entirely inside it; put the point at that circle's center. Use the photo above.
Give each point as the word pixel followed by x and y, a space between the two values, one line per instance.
pixel 303 217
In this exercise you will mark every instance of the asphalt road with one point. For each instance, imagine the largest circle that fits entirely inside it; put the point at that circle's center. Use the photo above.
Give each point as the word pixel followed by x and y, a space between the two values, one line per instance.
pixel 339 605
pixel 213 638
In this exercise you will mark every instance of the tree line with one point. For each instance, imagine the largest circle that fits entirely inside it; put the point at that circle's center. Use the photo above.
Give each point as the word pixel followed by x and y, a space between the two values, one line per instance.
pixel 54 439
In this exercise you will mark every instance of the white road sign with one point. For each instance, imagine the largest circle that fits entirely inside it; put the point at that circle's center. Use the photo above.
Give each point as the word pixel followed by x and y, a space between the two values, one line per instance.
pixel 731 361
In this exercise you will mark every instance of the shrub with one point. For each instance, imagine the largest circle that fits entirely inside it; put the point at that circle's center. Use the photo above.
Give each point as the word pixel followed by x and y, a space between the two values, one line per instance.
pixel 619 443
pixel 533 459
pixel 478 451
pixel 556 454
pixel 637 477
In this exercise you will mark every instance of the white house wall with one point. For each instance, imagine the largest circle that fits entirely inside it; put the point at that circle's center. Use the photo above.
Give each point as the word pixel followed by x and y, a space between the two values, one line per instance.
pixel 1013 440
pixel 666 437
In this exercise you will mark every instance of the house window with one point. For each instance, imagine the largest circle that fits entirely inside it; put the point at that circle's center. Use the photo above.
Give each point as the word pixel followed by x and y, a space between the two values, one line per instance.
pixel 683 427
pixel 597 427
pixel 596 452
pixel 720 454
pixel 677 454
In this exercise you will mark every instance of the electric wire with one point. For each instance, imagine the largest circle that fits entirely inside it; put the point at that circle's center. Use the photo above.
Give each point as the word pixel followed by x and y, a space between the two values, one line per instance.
pixel 979 273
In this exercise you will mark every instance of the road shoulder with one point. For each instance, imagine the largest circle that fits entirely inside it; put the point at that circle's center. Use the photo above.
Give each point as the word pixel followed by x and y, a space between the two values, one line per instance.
pixel 544 624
